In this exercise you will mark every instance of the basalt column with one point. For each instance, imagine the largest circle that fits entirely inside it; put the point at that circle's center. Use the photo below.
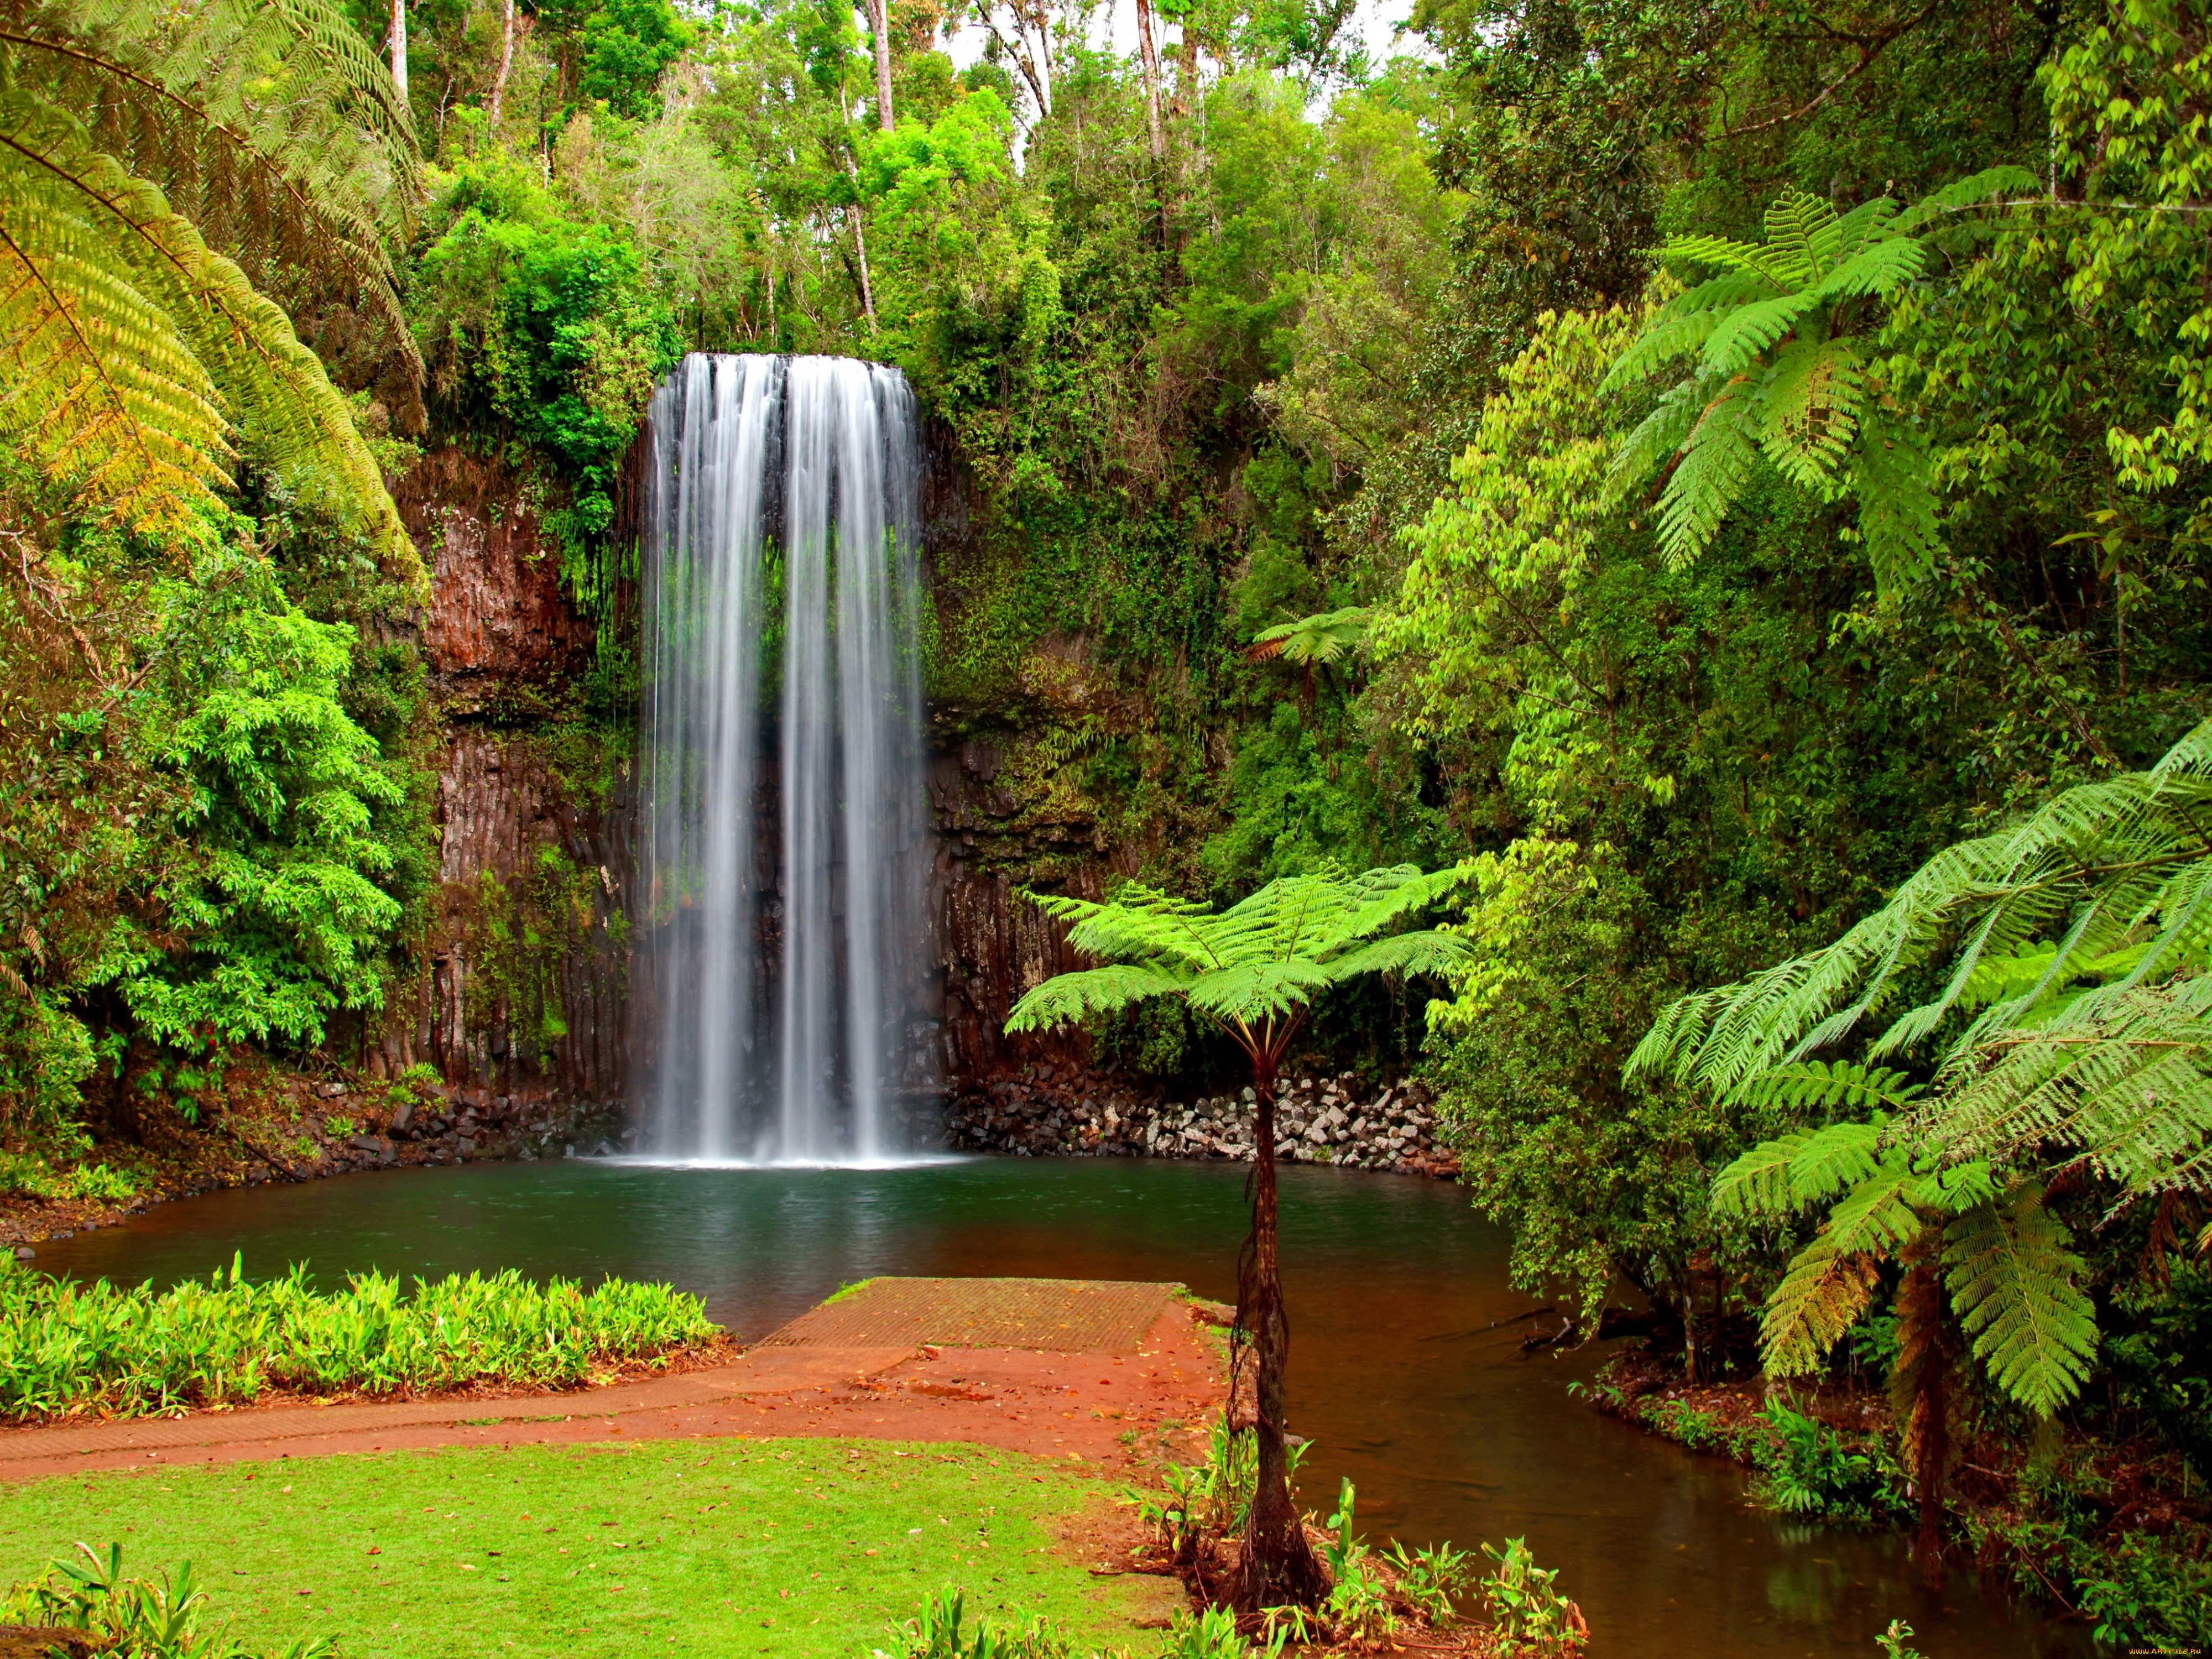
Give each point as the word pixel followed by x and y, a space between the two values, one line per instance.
pixel 787 848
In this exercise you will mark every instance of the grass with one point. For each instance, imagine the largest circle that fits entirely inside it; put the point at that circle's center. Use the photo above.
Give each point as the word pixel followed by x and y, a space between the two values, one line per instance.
pixel 67 1347
pixel 724 1547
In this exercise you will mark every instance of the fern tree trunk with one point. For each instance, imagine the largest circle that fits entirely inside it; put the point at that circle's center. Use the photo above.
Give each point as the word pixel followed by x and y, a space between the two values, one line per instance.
pixel 1920 1388
pixel 1278 1568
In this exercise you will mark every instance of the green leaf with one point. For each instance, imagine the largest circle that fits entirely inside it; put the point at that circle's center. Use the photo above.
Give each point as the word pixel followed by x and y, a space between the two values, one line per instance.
pixel 2011 1280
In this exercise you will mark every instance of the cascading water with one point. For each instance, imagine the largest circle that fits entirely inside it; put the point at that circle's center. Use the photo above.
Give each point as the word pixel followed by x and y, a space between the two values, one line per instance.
pixel 786 848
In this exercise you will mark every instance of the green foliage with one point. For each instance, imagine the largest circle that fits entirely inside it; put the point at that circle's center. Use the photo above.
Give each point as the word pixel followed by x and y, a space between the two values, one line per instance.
pixel 1809 1471
pixel 547 325
pixel 163 1617
pixel 66 1347
pixel 1524 1604
pixel 1782 370
pixel 627 44
pixel 1250 969
pixel 1314 640
pixel 142 361
pixel 936 1633
pixel 276 916
pixel 1432 1580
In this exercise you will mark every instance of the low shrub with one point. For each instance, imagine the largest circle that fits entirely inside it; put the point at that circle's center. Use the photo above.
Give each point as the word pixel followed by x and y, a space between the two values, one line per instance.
pixel 67 1347
pixel 161 1617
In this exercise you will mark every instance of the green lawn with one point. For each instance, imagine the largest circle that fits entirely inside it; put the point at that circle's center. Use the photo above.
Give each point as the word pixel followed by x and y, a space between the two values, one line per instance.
pixel 702 1547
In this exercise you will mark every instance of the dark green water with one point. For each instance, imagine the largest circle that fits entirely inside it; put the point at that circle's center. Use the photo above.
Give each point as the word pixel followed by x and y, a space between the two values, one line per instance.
pixel 1447 1430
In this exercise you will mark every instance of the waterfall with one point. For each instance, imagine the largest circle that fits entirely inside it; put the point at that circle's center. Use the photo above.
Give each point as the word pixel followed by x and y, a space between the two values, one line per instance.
pixel 785 839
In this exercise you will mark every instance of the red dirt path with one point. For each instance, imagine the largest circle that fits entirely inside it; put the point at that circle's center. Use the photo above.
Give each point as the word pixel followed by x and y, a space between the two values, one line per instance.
pixel 1075 1405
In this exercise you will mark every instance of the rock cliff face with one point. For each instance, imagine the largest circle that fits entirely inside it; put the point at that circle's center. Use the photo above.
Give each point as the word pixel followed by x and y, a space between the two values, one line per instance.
pixel 527 977
pixel 521 994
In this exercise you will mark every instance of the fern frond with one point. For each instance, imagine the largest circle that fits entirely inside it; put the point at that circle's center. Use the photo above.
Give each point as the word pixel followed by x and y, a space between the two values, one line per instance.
pixel 1877 1216
pixel 1065 998
pixel 2092 866
pixel 1872 221
pixel 1809 412
pixel 1894 481
pixel 1881 267
pixel 1816 1085
pixel 1655 438
pixel 2120 1079
pixel 1819 1297
pixel 1683 324
pixel 2011 1281
pixel 1967 192
pixel 1797 225
pixel 1408 954
pixel 1748 258
pixel 1716 459
pixel 1757 1184
pixel 1750 330
pixel 272 126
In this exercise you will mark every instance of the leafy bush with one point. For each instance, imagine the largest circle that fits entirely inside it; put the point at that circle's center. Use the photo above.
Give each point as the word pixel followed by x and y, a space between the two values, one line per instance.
pixel 67 1347
pixel 2148 1591
pixel 1809 1471
pixel 1525 1605
pixel 145 1618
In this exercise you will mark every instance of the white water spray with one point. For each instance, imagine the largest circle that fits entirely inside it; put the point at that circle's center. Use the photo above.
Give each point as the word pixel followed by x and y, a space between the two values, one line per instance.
pixel 786 846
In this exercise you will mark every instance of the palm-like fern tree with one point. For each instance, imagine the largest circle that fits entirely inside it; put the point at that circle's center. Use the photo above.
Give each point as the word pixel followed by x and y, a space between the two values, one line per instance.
pixel 2050 977
pixel 140 362
pixel 1252 972
pixel 1780 367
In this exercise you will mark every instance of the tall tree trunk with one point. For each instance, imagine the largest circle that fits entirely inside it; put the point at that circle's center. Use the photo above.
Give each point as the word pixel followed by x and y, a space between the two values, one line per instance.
pixel 1279 1568
pixel 1148 54
pixel 506 62
pixel 879 21
pixel 861 246
pixel 397 41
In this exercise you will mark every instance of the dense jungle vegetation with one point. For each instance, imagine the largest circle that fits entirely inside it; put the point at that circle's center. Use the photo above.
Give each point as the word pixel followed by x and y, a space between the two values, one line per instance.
pixel 1730 476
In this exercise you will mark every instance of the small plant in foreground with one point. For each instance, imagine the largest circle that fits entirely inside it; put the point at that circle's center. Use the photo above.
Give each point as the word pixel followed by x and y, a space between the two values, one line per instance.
pixel 936 1632
pixel 1524 1604
pixel 1212 1634
pixel 1357 1600
pixel 1894 1640
pixel 144 1618
pixel 1432 1580
pixel 340 1127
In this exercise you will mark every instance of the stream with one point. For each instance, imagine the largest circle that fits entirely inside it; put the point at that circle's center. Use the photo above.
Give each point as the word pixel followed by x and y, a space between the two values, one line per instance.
pixel 1403 1367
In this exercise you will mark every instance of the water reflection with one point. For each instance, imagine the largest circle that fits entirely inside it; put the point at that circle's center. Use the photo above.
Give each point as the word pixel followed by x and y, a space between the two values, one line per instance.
pixel 1405 1368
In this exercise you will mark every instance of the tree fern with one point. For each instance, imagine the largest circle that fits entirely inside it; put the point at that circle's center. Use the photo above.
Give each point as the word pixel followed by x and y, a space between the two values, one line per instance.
pixel 1251 971
pixel 140 363
pixel 1777 371
pixel 2104 869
